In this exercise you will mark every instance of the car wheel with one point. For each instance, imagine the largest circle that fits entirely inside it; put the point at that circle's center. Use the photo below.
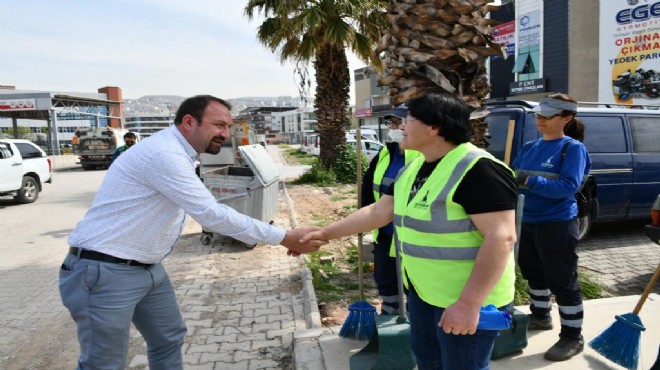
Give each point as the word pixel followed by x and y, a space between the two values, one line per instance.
pixel 584 226
pixel 29 191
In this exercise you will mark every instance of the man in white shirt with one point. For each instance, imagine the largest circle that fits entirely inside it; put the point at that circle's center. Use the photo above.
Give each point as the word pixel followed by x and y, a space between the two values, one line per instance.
pixel 113 275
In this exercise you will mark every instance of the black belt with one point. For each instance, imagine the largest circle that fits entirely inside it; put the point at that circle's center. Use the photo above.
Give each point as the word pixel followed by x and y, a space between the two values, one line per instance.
pixel 98 256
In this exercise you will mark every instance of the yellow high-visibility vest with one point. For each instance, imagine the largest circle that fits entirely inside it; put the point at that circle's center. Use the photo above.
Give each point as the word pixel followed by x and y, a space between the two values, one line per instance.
pixel 437 240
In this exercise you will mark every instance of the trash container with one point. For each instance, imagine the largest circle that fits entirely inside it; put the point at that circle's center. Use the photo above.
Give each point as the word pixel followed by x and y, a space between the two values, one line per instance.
pixel 251 190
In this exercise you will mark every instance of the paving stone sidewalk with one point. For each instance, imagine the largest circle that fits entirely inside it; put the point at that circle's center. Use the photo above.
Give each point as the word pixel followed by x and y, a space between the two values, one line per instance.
pixel 241 306
pixel 621 257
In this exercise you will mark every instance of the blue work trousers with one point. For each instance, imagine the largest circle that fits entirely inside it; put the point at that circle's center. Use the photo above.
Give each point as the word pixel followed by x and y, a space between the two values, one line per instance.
pixel 385 270
pixel 104 298
pixel 548 260
pixel 434 349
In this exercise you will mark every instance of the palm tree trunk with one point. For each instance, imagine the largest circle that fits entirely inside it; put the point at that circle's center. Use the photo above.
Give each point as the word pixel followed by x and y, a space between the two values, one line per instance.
pixel 331 104
pixel 439 45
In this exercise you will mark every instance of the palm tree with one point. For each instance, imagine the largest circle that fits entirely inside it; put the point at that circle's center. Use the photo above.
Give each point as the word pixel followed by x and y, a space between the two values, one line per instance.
pixel 439 45
pixel 320 31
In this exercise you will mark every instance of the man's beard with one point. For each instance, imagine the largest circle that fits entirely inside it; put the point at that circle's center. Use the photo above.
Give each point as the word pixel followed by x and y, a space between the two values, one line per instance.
pixel 211 150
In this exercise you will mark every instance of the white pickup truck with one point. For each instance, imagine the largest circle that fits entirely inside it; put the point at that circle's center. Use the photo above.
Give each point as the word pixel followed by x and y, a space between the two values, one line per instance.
pixel 24 167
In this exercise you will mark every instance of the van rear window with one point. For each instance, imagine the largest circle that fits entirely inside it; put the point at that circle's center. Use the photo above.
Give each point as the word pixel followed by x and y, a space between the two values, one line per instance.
pixel 646 134
pixel 604 134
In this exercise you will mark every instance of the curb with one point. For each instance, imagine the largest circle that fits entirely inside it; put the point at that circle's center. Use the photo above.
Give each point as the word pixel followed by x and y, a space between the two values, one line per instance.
pixel 310 303
pixel 307 352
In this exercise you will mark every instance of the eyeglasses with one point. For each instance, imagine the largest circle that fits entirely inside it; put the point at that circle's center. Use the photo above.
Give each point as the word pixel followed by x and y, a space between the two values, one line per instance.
pixel 545 118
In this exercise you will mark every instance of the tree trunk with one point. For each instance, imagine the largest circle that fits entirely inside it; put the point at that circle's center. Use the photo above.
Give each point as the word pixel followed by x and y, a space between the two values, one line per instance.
pixel 439 45
pixel 331 104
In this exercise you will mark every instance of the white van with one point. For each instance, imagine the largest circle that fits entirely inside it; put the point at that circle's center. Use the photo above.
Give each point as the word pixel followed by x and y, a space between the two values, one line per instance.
pixel 370 148
pixel 365 134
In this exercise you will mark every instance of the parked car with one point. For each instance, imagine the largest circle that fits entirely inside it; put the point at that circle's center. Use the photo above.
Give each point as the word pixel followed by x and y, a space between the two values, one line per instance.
pixel 624 145
pixel 653 230
pixel 365 134
pixel 24 167
pixel 370 148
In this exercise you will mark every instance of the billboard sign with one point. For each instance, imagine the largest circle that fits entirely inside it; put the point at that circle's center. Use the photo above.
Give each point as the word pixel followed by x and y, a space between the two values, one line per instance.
pixel 11 105
pixel 529 32
pixel 629 60
pixel 363 112
pixel 505 35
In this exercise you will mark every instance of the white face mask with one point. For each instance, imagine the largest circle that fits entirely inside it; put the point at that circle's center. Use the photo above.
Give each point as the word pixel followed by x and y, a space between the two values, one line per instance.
pixel 395 135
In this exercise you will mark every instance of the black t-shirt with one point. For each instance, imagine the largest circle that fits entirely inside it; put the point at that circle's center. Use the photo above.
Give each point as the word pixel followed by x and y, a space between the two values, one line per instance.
pixel 486 187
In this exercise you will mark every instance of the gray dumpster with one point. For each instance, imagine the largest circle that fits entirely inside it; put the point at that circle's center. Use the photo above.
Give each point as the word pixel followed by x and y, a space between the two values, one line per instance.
pixel 250 190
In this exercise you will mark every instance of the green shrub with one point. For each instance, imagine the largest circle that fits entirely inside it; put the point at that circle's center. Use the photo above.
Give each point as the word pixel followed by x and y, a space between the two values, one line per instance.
pixel 345 167
pixel 317 175
pixel 343 171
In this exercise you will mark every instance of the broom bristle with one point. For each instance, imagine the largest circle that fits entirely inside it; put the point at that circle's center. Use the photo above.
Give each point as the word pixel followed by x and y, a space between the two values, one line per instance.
pixel 620 342
pixel 360 323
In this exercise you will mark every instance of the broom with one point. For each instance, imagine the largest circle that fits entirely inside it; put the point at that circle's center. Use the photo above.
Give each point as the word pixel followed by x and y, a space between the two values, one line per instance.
pixel 620 342
pixel 360 323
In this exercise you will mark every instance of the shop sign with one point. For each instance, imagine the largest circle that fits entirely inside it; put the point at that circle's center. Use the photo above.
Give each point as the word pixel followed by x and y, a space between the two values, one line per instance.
pixel 11 105
pixel 526 87
pixel 505 35
pixel 362 112
pixel 629 52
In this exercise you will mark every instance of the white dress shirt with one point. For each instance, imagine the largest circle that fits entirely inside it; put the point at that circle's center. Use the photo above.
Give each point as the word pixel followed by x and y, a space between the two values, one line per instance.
pixel 140 209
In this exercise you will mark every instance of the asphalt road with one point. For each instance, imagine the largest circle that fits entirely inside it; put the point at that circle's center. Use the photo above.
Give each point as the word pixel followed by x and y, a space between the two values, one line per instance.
pixel 37 330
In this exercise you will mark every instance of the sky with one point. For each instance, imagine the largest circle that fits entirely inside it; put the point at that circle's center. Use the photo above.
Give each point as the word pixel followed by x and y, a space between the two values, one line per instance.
pixel 145 47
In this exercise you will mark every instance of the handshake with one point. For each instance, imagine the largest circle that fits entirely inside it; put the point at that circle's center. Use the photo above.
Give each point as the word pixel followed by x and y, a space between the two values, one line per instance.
pixel 303 240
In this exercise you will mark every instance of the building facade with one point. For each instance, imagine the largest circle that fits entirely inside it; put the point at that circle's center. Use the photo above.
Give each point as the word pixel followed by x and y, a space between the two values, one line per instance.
pixel 147 125
pixel 372 102
pixel 554 46
pixel 51 119
pixel 605 51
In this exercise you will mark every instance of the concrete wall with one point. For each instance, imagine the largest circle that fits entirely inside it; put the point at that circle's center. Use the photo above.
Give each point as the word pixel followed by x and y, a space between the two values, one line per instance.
pixel 65 162
pixel 583 35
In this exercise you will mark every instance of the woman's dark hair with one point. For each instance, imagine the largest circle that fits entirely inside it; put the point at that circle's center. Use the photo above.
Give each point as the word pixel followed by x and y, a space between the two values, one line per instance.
pixel 575 127
pixel 195 106
pixel 444 111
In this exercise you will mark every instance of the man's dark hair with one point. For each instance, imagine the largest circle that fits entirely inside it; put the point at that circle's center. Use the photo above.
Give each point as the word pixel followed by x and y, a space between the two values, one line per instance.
pixel 195 106
pixel 444 111
pixel 130 134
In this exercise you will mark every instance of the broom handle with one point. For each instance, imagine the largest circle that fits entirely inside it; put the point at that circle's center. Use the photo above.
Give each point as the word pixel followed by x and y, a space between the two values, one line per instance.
pixel 647 291
pixel 358 142
pixel 399 280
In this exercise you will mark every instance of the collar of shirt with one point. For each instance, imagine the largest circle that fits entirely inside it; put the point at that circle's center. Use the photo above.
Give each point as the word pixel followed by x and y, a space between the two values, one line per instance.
pixel 184 143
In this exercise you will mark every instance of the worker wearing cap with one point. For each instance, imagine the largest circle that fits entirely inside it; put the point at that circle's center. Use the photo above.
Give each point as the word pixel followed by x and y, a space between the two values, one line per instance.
pixel 549 171
pixel 377 180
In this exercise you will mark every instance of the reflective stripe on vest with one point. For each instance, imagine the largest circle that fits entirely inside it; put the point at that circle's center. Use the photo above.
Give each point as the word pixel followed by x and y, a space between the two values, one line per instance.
pixel 440 222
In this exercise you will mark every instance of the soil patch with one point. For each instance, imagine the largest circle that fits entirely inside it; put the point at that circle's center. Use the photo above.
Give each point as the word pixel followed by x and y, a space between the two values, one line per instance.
pixel 316 206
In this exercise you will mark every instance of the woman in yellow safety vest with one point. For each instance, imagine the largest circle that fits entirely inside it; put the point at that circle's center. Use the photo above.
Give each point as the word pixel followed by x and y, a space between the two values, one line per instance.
pixel 453 213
